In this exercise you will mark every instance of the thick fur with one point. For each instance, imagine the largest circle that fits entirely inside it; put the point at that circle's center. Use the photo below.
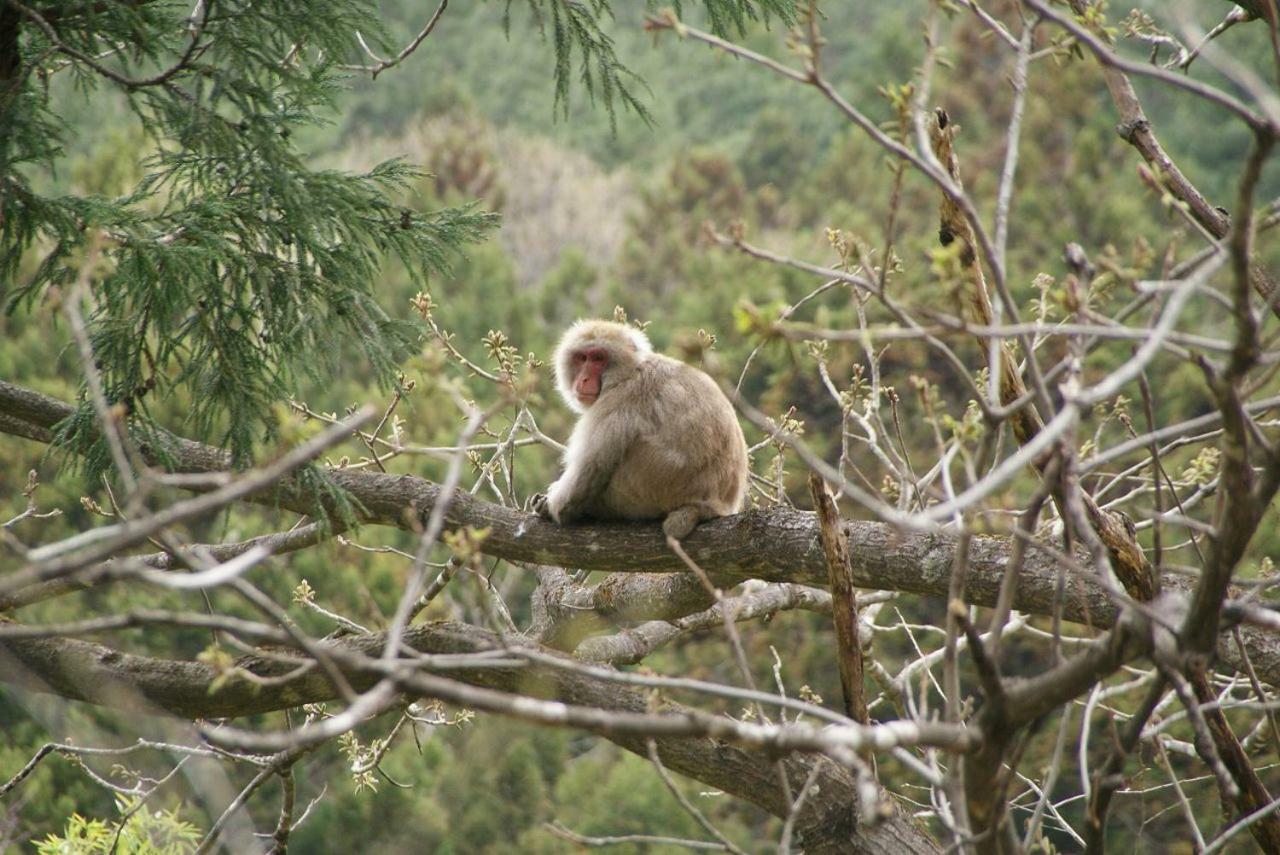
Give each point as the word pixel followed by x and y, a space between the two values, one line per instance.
pixel 660 442
pixel 627 347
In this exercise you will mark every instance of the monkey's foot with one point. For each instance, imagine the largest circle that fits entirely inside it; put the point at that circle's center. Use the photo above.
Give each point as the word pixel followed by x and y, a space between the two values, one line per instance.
pixel 538 505
pixel 681 522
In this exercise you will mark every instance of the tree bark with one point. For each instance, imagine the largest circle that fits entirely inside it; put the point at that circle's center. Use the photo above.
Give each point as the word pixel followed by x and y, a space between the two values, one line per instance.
pixel 85 671
pixel 777 545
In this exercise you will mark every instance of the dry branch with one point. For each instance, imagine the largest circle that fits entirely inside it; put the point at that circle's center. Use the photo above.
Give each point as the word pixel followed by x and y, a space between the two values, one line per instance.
pixel 1135 129
pixel 1127 558
pixel 835 548
pixel 91 672
pixel 778 544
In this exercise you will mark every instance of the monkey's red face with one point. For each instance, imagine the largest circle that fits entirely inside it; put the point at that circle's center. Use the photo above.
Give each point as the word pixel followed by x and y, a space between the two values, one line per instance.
pixel 588 369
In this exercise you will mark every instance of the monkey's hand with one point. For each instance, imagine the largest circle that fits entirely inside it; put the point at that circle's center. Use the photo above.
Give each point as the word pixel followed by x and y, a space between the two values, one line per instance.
pixel 541 506
pixel 554 504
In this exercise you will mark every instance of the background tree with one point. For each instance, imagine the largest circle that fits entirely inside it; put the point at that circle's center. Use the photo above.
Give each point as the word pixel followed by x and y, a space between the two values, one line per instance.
pixel 1025 341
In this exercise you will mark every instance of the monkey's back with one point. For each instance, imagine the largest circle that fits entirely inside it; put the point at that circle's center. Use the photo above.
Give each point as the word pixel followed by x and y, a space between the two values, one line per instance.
pixel 687 446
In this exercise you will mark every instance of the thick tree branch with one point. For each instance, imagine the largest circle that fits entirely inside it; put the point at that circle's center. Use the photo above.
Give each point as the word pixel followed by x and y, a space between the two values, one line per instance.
pixel 777 545
pixel 90 672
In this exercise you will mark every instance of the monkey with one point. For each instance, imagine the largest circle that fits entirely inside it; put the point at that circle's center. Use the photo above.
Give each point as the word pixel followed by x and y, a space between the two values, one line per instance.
pixel 655 438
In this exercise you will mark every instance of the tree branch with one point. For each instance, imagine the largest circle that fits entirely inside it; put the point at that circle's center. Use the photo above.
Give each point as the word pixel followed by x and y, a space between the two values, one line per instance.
pixel 777 544
pixel 91 672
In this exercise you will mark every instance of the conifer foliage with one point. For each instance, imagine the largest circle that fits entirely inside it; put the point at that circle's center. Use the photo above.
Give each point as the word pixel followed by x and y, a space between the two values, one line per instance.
pixel 233 265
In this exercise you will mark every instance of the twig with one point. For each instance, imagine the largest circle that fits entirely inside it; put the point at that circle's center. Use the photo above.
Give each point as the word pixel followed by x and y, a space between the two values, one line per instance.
pixel 382 65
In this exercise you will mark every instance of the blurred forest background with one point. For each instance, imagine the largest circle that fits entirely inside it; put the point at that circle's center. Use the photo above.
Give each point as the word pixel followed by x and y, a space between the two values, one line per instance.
pixel 597 215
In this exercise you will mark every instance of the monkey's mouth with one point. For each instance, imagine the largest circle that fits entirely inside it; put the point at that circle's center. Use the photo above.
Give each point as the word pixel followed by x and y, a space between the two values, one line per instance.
pixel 586 399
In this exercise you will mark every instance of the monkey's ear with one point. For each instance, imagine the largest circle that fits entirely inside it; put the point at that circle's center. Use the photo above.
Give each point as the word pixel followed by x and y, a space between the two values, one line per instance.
pixel 639 341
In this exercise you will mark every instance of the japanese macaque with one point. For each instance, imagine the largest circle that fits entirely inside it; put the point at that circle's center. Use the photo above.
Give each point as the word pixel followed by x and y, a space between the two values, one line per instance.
pixel 656 439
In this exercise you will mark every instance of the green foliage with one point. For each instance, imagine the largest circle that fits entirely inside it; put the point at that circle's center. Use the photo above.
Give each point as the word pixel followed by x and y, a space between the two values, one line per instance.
pixel 138 831
pixel 580 27
pixel 777 152
pixel 608 793
pixel 517 800
pixel 207 189
pixel 727 15
pixel 477 790
pixel 57 787
pixel 232 266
